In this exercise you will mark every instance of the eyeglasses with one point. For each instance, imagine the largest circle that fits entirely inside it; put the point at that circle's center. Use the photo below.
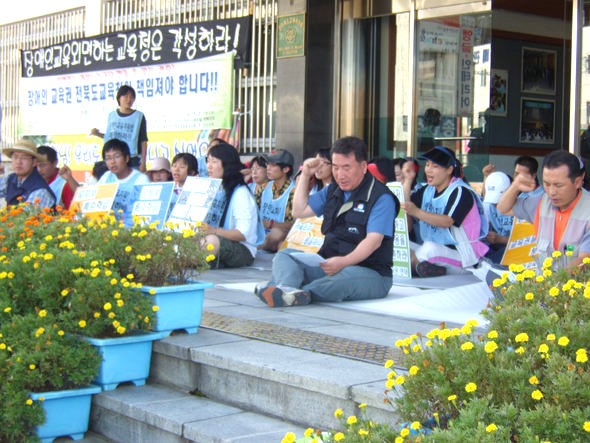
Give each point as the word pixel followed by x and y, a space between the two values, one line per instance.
pixel 112 158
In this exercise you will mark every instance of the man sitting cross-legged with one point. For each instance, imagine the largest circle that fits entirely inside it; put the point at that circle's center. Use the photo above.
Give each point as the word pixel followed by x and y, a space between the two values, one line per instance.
pixel 358 212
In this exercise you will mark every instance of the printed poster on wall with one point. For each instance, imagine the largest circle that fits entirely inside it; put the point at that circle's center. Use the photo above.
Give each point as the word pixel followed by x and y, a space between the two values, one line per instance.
pixel 153 201
pixel 197 203
pixel 402 267
pixel 466 70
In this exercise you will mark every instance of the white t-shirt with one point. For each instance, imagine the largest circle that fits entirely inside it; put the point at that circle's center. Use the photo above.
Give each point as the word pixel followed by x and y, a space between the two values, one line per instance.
pixel 244 216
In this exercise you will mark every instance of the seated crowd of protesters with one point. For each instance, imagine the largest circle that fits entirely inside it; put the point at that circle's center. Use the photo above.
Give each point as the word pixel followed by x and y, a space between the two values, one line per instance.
pixel 451 227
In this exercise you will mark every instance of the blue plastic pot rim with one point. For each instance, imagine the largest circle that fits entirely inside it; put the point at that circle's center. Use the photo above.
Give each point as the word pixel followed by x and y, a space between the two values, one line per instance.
pixel 75 392
pixel 115 341
pixel 178 288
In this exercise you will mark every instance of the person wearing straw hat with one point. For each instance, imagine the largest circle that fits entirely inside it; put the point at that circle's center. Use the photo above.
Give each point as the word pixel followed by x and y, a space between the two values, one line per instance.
pixel 25 184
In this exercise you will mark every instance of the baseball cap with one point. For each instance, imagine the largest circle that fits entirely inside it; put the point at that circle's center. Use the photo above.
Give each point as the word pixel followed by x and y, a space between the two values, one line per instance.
pixel 281 156
pixel 441 156
pixel 495 185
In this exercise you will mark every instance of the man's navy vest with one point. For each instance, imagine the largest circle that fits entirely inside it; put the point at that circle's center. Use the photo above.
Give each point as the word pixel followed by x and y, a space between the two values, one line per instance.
pixel 345 224
pixel 31 183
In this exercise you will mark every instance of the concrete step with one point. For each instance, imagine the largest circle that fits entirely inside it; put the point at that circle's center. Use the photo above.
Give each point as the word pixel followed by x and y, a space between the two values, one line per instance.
pixel 288 383
pixel 159 414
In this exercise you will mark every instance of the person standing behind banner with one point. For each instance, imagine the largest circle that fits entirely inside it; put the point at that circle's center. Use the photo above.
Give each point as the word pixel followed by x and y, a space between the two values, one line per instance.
pixel 128 125
pixel 234 240
pixel 116 155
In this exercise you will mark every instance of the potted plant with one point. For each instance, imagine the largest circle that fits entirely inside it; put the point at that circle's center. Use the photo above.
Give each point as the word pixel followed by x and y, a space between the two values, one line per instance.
pixel 162 262
pixel 46 376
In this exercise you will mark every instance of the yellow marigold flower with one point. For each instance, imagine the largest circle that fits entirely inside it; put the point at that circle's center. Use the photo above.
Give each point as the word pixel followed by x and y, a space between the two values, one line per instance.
pixel 534 380
pixel 289 438
pixel 362 405
pixel 491 427
pixel 128 248
pixel 470 387
pixel 563 341
pixel 209 258
pixel 64 292
pixel 97 315
pixel 7 309
pixel 465 330
pixel 493 334
pixel 404 432
pixel 39 331
pixel 554 292
pixel 452 397
pixel 415 425
pixel 490 346
pixel 400 380
pixel 42 313
pixel 556 254
pixel 116 324
pixel 539 278
pixel 29 402
pixel 586 260
pixel 111 315
pixel 115 233
pixel 120 303
pixel 308 432
pixel 543 348
pixel 130 276
pixel 547 273
pixel 550 337
pixel 82 323
pixel 113 281
pixel 121 330
pixel 26 259
pixel 363 432
pixel 497 282
pixel 32 367
pixel 210 247
pixel 351 420
pixel 519 277
pixel 338 413
pixel 414 370
pixel 388 363
pixel 338 436
pixel 399 440
pixel 146 319
pixel 167 238
pixel 428 343
pixel 581 356
pixel 587 426
pixel 155 308
pixel 107 306
pixel 537 395
pixel 522 337
pixel 529 296
pixel 416 348
pixel 389 384
pixel 467 346
pixel 60 333
pixel 2 345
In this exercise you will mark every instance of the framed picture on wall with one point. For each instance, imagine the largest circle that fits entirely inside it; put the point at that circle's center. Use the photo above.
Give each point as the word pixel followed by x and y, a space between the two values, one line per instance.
pixel 539 70
pixel 499 93
pixel 537 121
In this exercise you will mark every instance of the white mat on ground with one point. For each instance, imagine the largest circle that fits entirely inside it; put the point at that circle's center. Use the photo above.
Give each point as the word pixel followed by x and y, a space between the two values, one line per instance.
pixel 445 281
pixel 456 305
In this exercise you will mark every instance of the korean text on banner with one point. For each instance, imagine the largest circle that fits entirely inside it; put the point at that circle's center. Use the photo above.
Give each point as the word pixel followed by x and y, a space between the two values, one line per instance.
pixel 153 202
pixel 401 241
pixel 521 242
pixel 196 203
pixel 94 201
pixel 305 235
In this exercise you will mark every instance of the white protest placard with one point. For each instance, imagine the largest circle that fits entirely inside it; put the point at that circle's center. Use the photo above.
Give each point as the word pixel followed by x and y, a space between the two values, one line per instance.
pixel 96 200
pixel 401 241
pixel 198 202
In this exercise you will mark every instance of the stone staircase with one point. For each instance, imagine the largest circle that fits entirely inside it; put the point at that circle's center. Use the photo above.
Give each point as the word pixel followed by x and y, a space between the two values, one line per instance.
pixel 220 387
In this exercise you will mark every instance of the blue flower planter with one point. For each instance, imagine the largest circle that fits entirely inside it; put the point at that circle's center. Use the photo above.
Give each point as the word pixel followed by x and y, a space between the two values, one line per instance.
pixel 180 306
pixel 66 413
pixel 124 359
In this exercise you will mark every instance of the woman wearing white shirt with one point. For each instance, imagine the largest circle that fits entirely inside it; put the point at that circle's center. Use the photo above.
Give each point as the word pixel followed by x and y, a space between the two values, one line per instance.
pixel 240 230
